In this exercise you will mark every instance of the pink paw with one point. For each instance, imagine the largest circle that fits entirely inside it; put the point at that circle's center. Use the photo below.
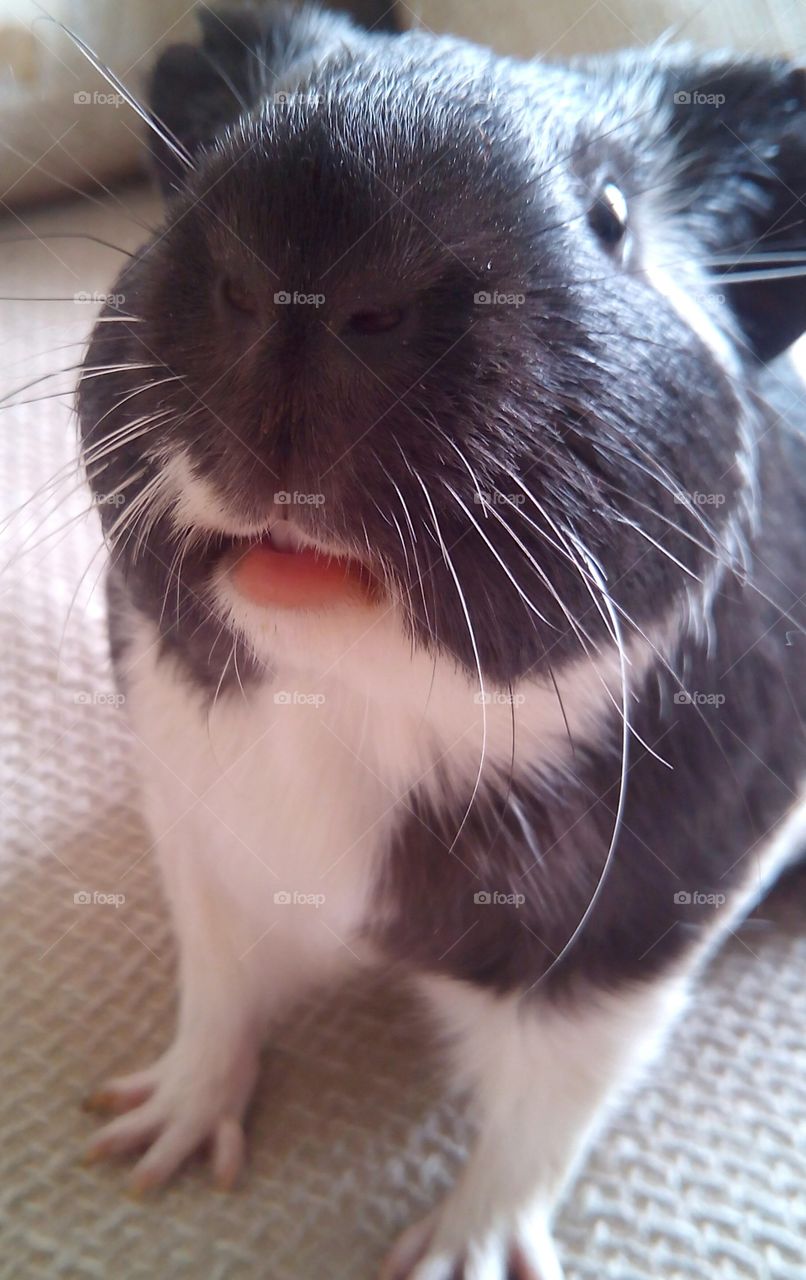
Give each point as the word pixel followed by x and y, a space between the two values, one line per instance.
pixel 185 1100
pixel 508 1253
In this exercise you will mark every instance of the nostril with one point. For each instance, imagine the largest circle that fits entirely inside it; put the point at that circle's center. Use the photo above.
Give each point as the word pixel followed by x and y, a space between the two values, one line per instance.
pixel 376 320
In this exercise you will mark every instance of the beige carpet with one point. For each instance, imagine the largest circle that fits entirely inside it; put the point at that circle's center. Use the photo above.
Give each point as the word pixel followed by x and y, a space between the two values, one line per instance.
pixel 352 1136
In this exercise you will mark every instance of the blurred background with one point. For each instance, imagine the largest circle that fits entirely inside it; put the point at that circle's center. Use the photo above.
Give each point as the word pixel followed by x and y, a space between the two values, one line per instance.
pixel 58 126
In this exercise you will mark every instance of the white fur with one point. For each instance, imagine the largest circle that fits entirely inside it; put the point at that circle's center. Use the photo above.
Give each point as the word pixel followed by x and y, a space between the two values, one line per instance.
pixel 301 780
pixel 270 814
pixel 541 1086
pixel 763 864
pixel 670 264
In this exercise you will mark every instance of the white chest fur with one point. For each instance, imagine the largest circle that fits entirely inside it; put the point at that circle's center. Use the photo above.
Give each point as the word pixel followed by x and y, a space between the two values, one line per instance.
pixel 289 792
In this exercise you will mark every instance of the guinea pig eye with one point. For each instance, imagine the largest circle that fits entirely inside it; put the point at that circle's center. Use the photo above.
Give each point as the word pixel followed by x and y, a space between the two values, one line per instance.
pixel 238 295
pixel 376 320
pixel 608 216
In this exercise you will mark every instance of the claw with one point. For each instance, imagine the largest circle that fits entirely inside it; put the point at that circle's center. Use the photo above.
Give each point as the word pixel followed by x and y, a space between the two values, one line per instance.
pixel 167 1112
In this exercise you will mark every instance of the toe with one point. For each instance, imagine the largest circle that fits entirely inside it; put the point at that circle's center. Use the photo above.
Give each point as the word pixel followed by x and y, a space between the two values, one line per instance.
pixel 127 1133
pixel 228 1153
pixel 162 1159
pixel 123 1093
pixel 408 1249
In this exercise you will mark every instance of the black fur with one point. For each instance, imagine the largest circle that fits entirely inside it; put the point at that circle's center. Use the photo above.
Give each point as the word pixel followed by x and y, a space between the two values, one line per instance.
pixel 732 761
pixel 414 174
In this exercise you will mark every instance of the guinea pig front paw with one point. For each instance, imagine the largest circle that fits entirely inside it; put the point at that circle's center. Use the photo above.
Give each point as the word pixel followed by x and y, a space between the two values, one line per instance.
pixel 509 1252
pixel 192 1096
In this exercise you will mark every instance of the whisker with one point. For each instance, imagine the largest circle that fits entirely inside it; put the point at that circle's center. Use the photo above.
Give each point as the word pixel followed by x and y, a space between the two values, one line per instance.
pixel 71 186
pixel 413 536
pixel 482 691
pixel 65 235
pixel 161 130
pixel 597 572
pixel 584 638
pixel 502 563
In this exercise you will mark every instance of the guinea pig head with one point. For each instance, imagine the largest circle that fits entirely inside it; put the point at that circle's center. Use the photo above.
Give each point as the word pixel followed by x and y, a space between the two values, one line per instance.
pixel 486 330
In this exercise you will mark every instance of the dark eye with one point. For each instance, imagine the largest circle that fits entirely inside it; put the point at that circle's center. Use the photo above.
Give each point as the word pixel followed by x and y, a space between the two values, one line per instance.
pixel 608 216
pixel 238 295
pixel 379 320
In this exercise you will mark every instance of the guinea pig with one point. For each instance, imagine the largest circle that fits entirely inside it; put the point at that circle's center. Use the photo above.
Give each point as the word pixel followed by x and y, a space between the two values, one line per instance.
pixel 457 564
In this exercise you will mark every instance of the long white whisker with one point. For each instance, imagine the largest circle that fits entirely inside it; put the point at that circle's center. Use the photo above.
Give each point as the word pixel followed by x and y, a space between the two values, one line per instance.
pixel 502 563
pixel 482 691
pixel 172 143
pixel 598 575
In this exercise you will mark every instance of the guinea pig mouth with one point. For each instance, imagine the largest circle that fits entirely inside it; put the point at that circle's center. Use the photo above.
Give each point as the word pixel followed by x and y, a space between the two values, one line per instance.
pixel 283 568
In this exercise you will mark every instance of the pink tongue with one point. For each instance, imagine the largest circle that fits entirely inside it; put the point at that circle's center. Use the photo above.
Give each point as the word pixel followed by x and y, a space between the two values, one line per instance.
pixel 302 579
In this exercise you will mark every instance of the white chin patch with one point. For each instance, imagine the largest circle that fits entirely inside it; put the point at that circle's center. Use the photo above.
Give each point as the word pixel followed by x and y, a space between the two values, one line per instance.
pixel 197 505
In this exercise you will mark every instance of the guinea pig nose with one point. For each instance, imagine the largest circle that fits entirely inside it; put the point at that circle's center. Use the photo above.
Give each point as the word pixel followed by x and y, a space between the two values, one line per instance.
pixel 372 320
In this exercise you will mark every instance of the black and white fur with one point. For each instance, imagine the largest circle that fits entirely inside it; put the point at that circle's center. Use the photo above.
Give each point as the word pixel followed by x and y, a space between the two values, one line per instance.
pixel 578 710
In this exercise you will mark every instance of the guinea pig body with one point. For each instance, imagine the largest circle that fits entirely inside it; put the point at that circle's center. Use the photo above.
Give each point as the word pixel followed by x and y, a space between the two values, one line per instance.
pixel 457 586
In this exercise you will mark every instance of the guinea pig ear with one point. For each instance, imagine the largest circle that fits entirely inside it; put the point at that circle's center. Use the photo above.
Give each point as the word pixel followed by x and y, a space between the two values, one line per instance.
pixel 740 133
pixel 197 90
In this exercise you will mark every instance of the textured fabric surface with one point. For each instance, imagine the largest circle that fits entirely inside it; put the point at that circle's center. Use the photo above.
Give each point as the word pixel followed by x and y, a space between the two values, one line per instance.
pixel 353 1132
